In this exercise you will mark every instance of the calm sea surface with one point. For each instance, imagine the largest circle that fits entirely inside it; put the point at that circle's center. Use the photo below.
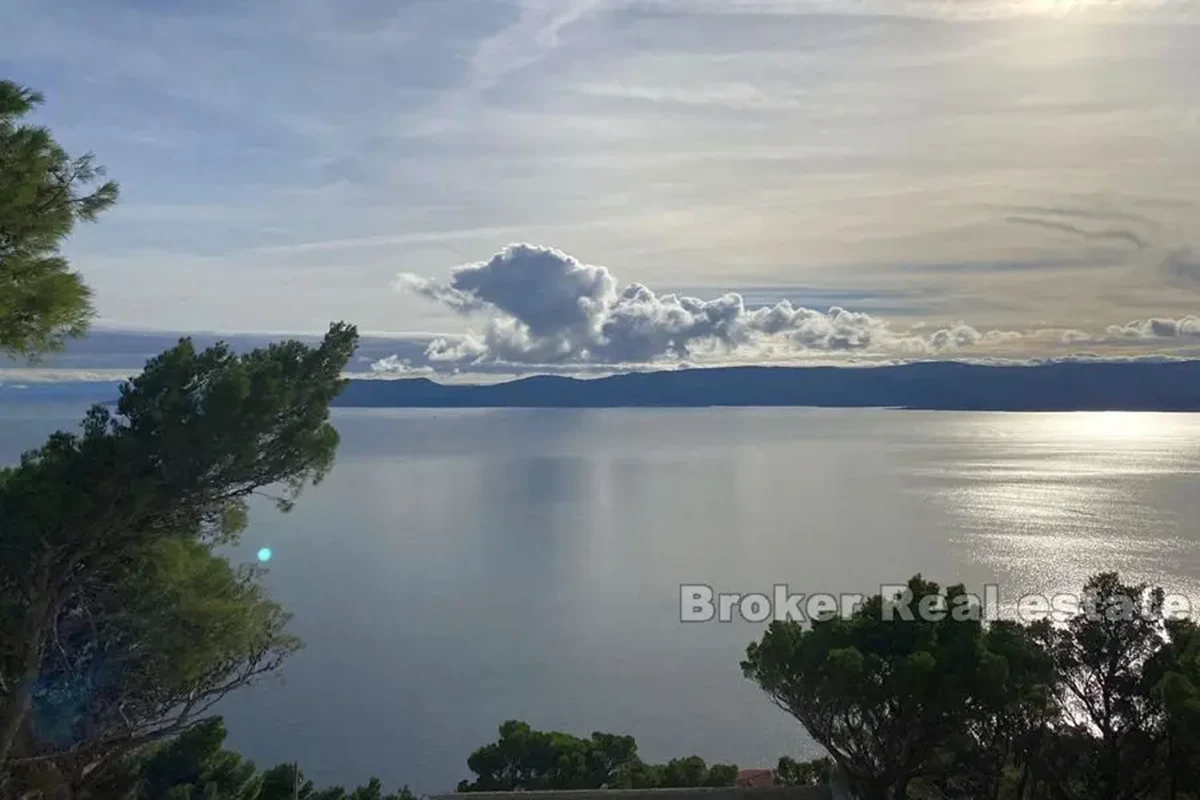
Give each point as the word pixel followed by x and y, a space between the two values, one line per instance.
pixel 460 568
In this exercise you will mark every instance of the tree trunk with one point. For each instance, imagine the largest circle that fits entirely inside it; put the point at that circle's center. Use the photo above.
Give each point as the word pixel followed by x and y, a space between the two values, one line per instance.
pixel 1172 767
pixel 1021 783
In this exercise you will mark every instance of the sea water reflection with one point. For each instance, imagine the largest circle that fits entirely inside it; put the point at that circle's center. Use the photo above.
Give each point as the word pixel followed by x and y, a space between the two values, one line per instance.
pixel 461 568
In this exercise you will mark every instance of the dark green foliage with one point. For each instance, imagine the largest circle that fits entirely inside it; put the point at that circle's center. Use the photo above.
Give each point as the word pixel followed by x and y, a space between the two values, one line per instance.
pixel 1103 696
pixel 1104 705
pixel 527 759
pixel 195 766
pixel 178 630
pixel 284 782
pixel 878 695
pixel 692 771
pixel 43 193
pixel 817 772
pixel 120 625
pixel 676 773
pixel 1006 717
pixel 1174 674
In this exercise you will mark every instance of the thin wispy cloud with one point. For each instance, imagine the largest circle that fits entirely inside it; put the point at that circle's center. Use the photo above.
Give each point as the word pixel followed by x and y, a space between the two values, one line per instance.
pixel 733 96
pixel 1094 235
pixel 535 32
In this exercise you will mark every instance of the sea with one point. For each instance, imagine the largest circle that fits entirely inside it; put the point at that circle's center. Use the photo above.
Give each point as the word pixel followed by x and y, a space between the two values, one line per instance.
pixel 460 568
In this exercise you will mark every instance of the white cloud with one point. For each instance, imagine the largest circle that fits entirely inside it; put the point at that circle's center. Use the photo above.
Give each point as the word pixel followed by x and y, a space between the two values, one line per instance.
pixel 394 365
pixel 525 42
pixel 735 96
pixel 543 306
pixel 1073 335
pixel 1157 328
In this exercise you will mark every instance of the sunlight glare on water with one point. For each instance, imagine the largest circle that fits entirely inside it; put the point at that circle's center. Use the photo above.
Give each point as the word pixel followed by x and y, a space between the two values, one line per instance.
pixel 1058 497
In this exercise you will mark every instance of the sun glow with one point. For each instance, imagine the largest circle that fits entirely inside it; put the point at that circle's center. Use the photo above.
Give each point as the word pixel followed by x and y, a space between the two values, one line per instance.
pixel 1113 425
pixel 1063 8
pixel 1053 6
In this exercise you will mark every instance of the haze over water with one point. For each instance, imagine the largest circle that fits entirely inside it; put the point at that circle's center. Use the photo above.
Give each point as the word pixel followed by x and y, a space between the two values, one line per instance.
pixel 459 568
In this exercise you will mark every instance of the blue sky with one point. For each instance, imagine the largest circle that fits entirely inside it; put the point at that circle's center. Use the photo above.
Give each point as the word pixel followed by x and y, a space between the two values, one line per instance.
pixel 1020 175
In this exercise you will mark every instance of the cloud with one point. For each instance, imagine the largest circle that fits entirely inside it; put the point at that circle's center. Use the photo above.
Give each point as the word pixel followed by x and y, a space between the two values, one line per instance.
pixel 1157 328
pixel 525 42
pixel 1072 335
pixel 546 307
pixel 735 96
pixel 1091 214
pixel 1104 234
pixel 394 365
pixel 1183 266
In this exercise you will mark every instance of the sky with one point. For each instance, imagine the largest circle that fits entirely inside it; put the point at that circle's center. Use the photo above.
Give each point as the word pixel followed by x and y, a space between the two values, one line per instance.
pixel 571 185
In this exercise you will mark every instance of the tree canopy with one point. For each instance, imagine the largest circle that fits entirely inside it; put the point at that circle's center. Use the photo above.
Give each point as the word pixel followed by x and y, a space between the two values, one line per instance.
pixel 44 192
pixel 527 759
pixel 1103 705
pixel 196 766
pixel 120 624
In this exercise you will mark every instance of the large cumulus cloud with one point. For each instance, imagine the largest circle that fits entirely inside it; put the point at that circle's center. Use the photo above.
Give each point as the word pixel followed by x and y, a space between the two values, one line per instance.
pixel 543 306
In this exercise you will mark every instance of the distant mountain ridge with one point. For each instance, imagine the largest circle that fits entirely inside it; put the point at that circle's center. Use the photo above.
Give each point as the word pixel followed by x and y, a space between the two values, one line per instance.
pixel 944 385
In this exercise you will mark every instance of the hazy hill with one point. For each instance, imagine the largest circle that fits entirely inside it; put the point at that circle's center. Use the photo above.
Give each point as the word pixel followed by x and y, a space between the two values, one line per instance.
pixel 1144 386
